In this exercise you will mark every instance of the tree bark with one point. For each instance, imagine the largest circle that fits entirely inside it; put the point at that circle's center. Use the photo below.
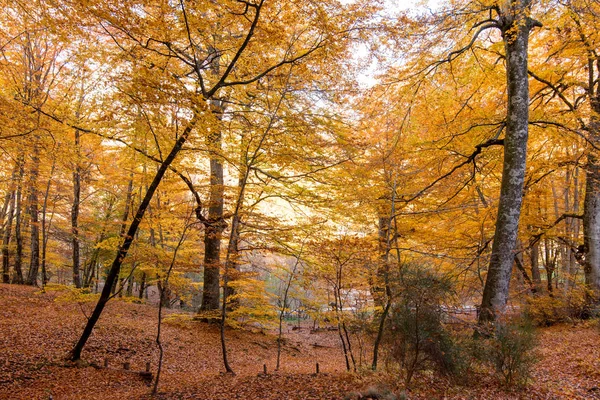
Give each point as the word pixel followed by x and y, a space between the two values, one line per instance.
pixel 45 226
pixel 75 212
pixel 34 256
pixel 515 25
pixel 124 222
pixel 215 226
pixel 6 239
pixel 18 273
pixel 7 226
pixel 591 215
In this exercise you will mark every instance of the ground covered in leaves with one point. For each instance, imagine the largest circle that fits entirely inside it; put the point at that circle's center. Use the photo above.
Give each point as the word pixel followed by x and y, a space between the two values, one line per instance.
pixel 38 329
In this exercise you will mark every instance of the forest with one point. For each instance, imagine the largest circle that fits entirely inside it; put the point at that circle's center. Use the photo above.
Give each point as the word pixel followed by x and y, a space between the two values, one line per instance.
pixel 300 199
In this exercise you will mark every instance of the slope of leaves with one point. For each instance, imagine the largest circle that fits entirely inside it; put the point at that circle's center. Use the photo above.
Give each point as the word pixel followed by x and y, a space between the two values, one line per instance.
pixel 37 330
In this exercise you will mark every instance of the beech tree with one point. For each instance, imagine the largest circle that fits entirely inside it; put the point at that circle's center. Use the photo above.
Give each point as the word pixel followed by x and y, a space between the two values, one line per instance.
pixel 142 30
pixel 515 23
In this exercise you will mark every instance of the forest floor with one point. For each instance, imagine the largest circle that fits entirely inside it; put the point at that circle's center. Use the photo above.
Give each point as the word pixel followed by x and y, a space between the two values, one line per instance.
pixel 38 329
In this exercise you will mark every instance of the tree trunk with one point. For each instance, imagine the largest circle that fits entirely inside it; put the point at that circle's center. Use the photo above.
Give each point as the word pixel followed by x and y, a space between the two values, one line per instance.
pixel 75 212
pixel 574 233
pixel 91 266
pixel 515 31
pixel 46 228
pixel 591 215
pixel 34 256
pixel 7 227
pixel 124 222
pixel 142 286
pixel 18 275
pixel 124 248
pixel 6 240
pixel 214 229
pixel 534 257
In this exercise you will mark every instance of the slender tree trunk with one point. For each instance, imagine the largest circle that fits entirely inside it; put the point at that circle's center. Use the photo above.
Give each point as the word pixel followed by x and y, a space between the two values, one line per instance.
pixel 516 26
pixel 521 268
pixel 214 229
pixel 44 227
pixel 124 222
pixel 284 302
pixel 534 256
pixel 7 226
pixel 573 230
pixel 91 266
pixel 75 211
pixel 385 244
pixel 18 273
pixel 230 262
pixel 6 240
pixel 142 286
pixel 34 263
pixel 5 205
pixel 160 308
pixel 124 248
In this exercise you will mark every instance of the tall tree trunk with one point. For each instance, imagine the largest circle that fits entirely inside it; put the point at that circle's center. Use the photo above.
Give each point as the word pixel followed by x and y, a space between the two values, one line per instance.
pixel 232 258
pixel 573 234
pixel 534 257
pixel 75 211
pixel 124 222
pixel 45 228
pixel 142 286
pixel 18 275
pixel 383 272
pixel 549 265
pixel 92 265
pixel 515 25
pixel 6 239
pixel 215 226
pixel 591 215
pixel 7 226
pixel 34 256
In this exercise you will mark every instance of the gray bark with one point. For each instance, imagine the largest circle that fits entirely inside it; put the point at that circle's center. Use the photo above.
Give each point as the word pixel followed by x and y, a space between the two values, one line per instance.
pixel 591 216
pixel 45 225
pixel 7 226
pixel 515 27
pixel 214 229
pixel 6 239
pixel 34 263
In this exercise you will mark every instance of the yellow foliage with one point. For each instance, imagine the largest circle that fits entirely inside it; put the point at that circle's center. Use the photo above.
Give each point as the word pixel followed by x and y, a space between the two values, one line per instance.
pixel 132 299
pixel 253 308
pixel 179 320
pixel 74 295
pixel 546 310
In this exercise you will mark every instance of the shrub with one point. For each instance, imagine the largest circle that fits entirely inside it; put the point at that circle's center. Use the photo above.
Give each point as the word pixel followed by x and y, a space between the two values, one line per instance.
pixel 511 351
pixel 550 310
pixel 418 338
pixel 546 310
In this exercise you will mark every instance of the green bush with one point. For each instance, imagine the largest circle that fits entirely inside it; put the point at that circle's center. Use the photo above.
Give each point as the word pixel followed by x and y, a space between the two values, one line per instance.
pixel 417 336
pixel 511 350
